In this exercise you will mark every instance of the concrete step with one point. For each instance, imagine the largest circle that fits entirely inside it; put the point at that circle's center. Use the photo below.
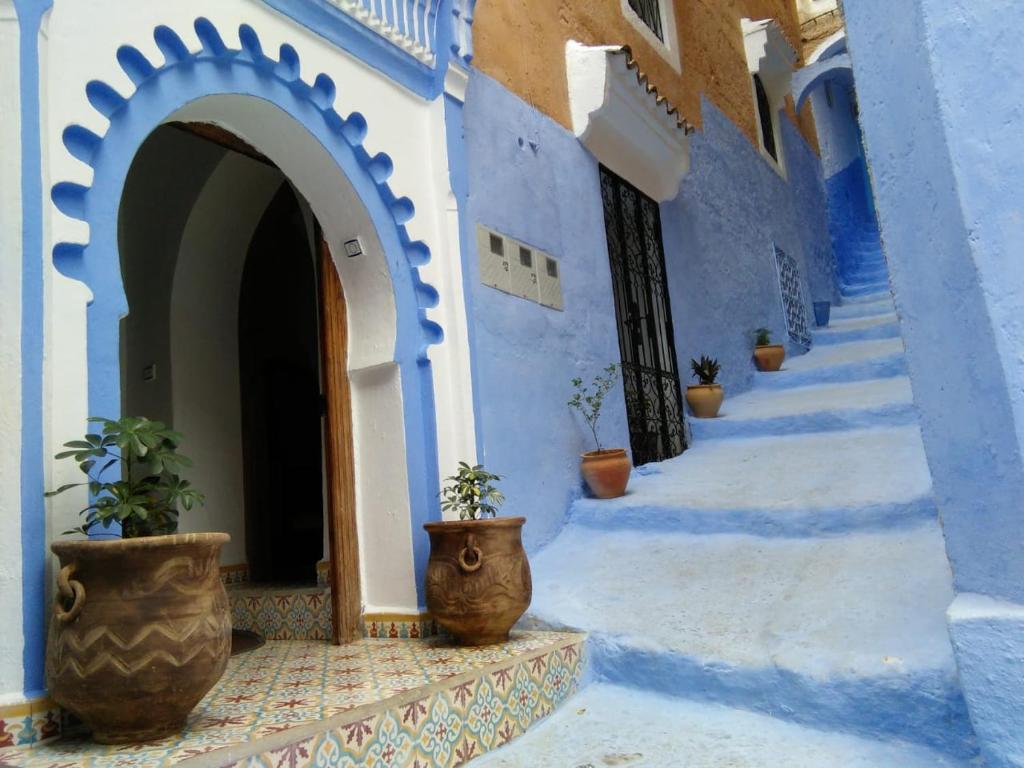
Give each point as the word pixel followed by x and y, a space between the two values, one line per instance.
pixel 610 725
pixel 848 310
pixel 870 298
pixel 837 632
pixel 822 408
pixel 834 363
pixel 867 273
pixel 863 289
pixel 791 485
pixel 858 329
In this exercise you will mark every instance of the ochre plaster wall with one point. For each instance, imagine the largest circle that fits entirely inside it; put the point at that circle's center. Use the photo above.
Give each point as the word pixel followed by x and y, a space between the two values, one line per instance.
pixel 521 44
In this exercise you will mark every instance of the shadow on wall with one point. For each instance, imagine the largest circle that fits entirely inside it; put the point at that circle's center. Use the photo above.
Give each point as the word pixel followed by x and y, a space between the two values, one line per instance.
pixel 719 234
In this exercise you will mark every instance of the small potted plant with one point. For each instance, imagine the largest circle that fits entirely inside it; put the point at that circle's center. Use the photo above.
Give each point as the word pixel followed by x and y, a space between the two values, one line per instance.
pixel 706 397
pixel 141 628
pixel 478 577
pixel 767 356
pixel 606 470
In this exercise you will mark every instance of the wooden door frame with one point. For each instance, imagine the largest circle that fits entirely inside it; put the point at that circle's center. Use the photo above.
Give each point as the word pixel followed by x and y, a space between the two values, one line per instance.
pixel 339 454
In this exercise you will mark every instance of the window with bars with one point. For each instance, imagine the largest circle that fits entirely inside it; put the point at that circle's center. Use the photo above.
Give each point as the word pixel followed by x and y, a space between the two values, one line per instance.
pixel 764 111
pixel 649 12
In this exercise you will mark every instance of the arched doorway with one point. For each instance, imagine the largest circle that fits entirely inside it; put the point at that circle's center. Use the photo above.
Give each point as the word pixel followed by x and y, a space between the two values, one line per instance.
pixel 295 116
pixel 224 269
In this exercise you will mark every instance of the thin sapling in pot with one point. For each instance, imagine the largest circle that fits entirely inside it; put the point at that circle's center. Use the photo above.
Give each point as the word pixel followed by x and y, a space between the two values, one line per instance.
pixel 606 470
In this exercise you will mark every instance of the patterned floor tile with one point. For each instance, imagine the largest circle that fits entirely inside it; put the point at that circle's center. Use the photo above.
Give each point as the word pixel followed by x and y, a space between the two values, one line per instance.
pixel 474 699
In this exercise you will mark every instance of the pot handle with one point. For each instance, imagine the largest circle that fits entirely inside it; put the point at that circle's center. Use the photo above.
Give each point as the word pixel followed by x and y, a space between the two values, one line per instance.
pixel 469 565
pixel 68 588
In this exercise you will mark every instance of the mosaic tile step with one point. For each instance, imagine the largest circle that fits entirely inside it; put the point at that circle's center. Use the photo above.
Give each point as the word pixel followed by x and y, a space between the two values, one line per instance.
pixel 382 703
pixel 304 613
pixel 282 613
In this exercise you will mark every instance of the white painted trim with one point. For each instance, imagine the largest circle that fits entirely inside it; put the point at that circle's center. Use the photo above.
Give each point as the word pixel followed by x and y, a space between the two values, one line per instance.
pixel 622 124
pixel 11 638
pixel 771 58
pixel 667 48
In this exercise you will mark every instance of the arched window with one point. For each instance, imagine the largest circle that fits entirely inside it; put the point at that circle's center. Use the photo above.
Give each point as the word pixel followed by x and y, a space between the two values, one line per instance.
pixel 764 111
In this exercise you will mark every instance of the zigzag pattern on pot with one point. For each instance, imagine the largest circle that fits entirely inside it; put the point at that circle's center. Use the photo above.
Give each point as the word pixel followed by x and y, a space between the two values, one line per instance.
pixel 83 644
pixel 72 199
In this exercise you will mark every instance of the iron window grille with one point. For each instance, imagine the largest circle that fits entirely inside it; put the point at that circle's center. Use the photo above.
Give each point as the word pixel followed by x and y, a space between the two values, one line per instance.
pixel 649 12
pixel 791 288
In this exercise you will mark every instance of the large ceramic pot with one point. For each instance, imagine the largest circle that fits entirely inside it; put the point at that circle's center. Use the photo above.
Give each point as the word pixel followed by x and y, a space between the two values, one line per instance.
pixel 478 578
pixel 769 357
pixel 606 472
pixel 705 400
pixel 140 631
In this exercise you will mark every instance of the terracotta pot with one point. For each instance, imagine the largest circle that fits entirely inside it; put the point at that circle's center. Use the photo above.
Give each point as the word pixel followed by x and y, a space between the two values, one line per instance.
pixel 606 472
pixel 140 631
pixel 769 357
pixel 478 578
pixel 705 400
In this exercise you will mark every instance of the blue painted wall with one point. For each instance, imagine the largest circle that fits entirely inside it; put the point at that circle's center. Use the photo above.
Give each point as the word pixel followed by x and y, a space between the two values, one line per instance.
pixel 939 83
pixel 718 244
pixel 852 217
pixel 947 185
pixel 531 179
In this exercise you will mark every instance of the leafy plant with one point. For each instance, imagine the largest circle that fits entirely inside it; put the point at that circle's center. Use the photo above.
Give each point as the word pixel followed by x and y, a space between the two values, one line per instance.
pixel 471 493
pixel 764 337
pixel 589 403
pixel 146 497
pixel 706 369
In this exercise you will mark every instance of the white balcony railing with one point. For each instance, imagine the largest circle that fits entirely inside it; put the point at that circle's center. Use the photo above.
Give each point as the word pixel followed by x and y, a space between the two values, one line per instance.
pixel 409 24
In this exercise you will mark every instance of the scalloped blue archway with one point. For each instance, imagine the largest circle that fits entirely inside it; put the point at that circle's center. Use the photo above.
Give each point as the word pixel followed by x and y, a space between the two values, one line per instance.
pixel 184 78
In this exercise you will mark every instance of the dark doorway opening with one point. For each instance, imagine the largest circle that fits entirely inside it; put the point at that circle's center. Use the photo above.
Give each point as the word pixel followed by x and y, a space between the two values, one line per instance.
pixel 279 367
pixel 650 375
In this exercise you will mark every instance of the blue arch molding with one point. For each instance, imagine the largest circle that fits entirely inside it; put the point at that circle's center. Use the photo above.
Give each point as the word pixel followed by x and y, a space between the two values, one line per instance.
pixel 218 69
pixel 805 80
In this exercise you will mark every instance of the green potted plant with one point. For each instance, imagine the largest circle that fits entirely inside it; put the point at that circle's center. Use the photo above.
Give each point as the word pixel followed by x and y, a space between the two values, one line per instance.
pixel 478 577
pixel 141 628
pixel 767 356
pixel 705 397
pixel 606 470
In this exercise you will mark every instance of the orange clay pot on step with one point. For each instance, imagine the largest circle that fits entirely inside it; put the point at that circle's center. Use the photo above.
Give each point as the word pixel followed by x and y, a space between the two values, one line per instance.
pixel 769 357
pixel 606 472
pixel 705 399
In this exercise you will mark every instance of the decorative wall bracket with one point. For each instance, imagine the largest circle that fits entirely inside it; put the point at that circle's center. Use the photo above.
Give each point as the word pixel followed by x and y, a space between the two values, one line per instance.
pixel 622 119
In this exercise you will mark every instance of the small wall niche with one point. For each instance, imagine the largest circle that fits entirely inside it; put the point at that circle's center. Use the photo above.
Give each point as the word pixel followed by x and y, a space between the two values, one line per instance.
pixel 519 269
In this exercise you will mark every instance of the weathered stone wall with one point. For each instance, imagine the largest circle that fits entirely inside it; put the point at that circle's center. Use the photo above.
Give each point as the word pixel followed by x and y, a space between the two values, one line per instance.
pixel 521 44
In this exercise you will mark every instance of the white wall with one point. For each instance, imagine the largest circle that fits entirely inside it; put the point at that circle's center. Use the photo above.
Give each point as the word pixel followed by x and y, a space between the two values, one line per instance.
pixel 11 640
pixel 204 341
pixel 166 177
pixel 83 40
